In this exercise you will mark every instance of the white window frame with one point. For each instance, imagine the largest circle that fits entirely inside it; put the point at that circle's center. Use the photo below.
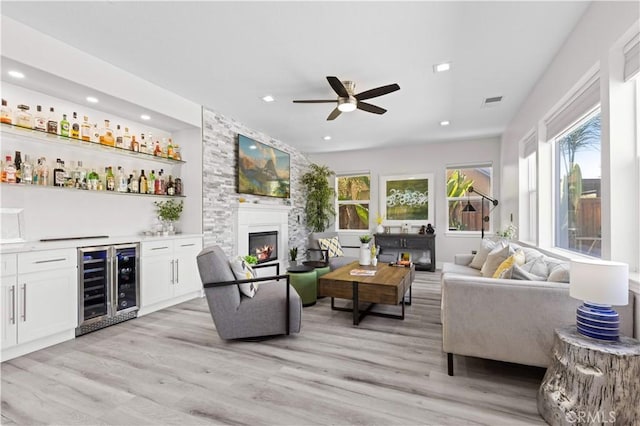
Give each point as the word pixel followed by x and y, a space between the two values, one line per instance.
pixel 348 202
pixel 471 197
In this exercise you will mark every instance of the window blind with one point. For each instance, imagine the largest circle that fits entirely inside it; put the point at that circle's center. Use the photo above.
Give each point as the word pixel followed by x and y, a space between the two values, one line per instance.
pixel 632 58
pixel 577 107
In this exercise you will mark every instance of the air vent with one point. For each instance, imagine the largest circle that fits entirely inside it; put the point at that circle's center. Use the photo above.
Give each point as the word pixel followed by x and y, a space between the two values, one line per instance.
pixel 492 101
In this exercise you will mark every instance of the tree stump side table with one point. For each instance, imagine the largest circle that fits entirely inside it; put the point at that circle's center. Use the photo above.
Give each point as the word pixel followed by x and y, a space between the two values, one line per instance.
pixel 591 381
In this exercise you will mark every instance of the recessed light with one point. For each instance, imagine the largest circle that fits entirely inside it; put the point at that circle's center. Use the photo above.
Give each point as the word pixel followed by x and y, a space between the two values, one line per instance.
pixel 445 66
pixel 327 138
pixel 92 99
pixel 445 123
pixel 268 98
pixel 16 74
pixel 145 117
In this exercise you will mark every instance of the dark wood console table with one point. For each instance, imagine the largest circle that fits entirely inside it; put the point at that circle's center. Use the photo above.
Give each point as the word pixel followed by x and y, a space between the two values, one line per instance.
pixel 416 244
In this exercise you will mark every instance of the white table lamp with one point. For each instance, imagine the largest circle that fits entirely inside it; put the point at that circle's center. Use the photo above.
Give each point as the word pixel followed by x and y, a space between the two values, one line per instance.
pixel 600 284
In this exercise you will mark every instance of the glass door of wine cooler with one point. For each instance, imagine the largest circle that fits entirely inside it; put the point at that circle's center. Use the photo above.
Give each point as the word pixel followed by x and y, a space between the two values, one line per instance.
pixel 94 284
pixel 126 278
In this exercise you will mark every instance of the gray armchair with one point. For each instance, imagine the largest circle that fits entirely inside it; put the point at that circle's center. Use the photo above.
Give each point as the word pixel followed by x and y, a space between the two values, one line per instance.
pixel 317 253
pixel 275 309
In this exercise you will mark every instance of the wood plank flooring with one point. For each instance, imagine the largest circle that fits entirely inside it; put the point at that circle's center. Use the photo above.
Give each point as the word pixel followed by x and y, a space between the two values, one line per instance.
pixel 171 368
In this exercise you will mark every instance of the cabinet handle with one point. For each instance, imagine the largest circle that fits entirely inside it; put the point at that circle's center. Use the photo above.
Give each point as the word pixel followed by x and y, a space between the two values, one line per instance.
pixel 177 272
pixel 187 245
pixel 159 248
pixel 51 260
pixel 13 304
pixel 172 273
pixel 24 302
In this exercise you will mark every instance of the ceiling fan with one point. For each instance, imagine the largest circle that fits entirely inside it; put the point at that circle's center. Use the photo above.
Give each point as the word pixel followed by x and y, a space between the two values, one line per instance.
pixel 348 101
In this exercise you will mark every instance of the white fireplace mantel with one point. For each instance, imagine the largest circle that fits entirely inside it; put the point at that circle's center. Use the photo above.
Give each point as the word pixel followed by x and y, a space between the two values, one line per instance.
pixel 261 218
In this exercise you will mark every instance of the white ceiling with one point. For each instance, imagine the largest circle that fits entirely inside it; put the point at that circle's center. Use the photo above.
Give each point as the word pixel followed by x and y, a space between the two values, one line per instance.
pixel 228 55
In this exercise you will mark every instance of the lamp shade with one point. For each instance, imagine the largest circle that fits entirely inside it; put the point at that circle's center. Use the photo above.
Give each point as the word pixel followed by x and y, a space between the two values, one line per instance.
pixel 599 281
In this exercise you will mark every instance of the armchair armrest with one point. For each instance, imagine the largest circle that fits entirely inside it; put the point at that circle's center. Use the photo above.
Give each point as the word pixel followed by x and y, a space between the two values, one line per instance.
pixel 463 259
pixel 324 252
pixel 267 265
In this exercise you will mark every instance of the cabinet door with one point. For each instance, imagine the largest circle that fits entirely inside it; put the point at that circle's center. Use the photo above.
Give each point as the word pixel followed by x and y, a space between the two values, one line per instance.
pixel 388 242
pixel 186 272
pixel 9 311
pixel 47 303
pixel 157 278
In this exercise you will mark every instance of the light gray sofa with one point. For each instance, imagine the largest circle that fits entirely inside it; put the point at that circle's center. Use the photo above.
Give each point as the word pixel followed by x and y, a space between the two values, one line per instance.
pixel 315 252
pixel 506 319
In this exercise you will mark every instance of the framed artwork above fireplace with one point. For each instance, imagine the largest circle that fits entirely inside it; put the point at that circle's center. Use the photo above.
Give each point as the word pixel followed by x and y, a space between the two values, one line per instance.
pixel 262 169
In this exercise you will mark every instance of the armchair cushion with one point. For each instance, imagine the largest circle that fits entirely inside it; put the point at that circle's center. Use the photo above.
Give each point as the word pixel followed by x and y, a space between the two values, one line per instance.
pixel 332 245
pixel 243 271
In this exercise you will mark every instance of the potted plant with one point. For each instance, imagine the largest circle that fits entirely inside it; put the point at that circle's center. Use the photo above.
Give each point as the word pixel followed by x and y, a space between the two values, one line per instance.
pixel 293 256
pixel 250 259
pixel 365 239
pixel 168 212
pixel 319 208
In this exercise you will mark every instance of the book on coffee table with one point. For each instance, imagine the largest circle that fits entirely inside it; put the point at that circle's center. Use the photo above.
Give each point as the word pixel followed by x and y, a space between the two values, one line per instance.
pixel 363 272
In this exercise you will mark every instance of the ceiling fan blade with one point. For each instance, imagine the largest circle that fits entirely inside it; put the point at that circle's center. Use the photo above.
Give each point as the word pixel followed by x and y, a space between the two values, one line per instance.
pixel 378 91
pixel 334 114
pixel 338 87
pixel 371 108
pixel 324 101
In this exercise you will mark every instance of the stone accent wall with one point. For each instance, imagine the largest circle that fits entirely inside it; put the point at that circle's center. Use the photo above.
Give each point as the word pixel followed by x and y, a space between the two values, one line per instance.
pixel 219 165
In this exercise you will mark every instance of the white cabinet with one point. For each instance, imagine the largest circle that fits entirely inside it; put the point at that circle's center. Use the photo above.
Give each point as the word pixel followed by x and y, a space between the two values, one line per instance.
pixel 39 305
pixel 169 272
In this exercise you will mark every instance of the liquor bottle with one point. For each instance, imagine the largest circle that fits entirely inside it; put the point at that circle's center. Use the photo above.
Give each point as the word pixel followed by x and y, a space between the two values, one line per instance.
pixel 68 173
pixel 171 189
pixel 170 153
pixel 126 139
pixel 122 180
pixel 129 183
pixel 75 126
pixel 178 186
pixel 158 187
pixel 157 151
pixel 64 126
pixel 93 179
pixel 176 152
pixel 149 143
pixel 135 187
pixel 79 177
pixel 24 117
pixel 9 171
pixel 40 121
pixel 111 179
pixel 26 171
pixel 119 140
pixel 86 129
pixel 52 123
pixel 143 143
pixel 42 171
pixel 135 146
pixel 142 183
pixel 58 174
pixel 151 182
pixel 6 113
pixel 106 135
pixel 95 133
pixel 18 165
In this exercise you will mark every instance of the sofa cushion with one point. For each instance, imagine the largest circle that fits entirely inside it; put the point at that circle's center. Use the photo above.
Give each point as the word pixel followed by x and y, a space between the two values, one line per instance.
pixel 519 273
pixel 486 246
pixel 243 271
pixel 460 269
pixel 494 259
pixel 332 245
pixel 537 267
pixel 505 268
pixel 558 272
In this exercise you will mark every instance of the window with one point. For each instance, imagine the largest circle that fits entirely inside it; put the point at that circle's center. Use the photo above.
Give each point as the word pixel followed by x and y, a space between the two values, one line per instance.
pixel 354 192
pixel 532 196
pixel 459 180
pixel 577 188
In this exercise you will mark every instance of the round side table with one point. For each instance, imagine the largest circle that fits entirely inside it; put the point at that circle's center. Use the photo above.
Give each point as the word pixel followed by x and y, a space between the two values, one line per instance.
pixel 321 268
pixel 303 279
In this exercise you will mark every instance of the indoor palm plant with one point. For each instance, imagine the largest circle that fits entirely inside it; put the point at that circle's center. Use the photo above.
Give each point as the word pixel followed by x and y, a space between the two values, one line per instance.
pixel 319 208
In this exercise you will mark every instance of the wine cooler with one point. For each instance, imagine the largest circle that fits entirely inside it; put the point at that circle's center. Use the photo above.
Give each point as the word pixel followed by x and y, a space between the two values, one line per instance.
pixel 108 286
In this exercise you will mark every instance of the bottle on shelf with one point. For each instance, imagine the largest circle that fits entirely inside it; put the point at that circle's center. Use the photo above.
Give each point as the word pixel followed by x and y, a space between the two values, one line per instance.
pixel 17 163
pixel 142 144
pixel 26 172
pixel 79 177
pixel 151 182
pixel 135 146
pixel 176 152
pixel 129 183
pixel 170 152
pixel 64 126
pixel 9 171
pixel 106 135
pixel 92 180
pixel 95 134
pixel 86 130
pixel 135 188
pixel 24 117
pixel 178 186
pixel 149 143
pixel 58 174
pixel 52 122
pixel 126 139
pixel 157 151
pixel 171 189
pixel 75 126
pixel 42 171
pixel 111 179
pixel 6 114
pixel 142 183
pixel 122 180
pixel 119 139
pixel 68 173
pixel 159 187
pixel 39 120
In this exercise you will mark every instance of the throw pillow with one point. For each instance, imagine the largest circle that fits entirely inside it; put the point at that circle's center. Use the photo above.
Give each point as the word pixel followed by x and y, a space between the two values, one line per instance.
pixel 559 272
pixel 505 268
pixel 518 273
pixel 494 259
pixel 331 244
pixel 243 271
pixel 486 246
pixel 537 267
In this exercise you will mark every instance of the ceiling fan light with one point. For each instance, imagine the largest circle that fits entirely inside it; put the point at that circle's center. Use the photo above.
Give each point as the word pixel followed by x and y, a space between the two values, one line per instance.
pixel 347 104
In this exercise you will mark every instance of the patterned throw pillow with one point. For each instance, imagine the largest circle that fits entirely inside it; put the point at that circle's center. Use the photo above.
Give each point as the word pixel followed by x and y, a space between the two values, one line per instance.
pixel 494 259
pixel 331 244
pixel 243 271
pixel 505 269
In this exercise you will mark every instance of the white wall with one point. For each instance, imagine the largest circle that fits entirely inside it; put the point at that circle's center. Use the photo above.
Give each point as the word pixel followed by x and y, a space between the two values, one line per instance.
pixel 425 158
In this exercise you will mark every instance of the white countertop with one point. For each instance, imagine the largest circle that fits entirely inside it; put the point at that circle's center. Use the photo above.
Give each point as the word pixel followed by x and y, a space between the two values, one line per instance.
pixel 28 246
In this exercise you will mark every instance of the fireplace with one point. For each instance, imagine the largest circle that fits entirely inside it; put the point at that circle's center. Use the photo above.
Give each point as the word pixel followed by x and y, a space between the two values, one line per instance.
pixel 264 245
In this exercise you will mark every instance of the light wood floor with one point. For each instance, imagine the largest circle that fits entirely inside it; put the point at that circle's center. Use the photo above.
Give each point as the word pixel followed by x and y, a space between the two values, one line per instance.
pixel 171 367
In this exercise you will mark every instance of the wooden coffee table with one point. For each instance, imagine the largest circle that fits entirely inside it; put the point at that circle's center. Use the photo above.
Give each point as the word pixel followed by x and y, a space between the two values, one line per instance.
pixel 388 286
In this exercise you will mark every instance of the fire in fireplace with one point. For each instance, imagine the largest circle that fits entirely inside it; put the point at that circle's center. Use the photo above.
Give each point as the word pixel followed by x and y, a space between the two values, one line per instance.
pixel 264 245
